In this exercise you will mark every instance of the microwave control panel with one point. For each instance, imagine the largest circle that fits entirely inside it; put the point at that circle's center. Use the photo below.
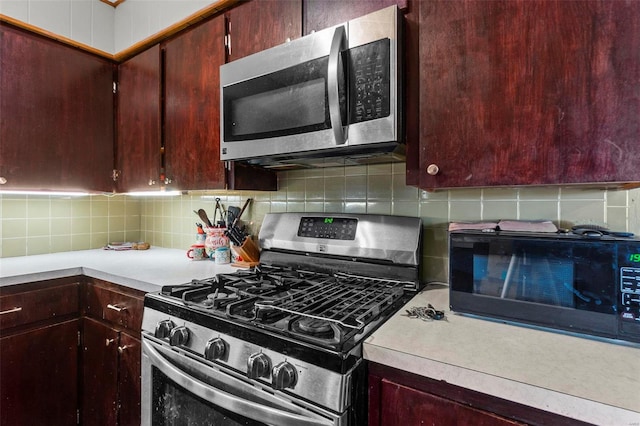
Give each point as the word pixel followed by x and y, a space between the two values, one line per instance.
pixel 370 88
pixel 629 258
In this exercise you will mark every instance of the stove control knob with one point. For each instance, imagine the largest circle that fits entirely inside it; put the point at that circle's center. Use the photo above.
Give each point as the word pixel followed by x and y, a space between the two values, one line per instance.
pixel 283 376
pixel 258 365
pixel 215 349
pixel 179 336
pixel 163 329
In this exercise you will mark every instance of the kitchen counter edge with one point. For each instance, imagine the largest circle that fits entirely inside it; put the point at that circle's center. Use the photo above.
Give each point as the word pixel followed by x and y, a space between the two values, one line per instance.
pixel 144 270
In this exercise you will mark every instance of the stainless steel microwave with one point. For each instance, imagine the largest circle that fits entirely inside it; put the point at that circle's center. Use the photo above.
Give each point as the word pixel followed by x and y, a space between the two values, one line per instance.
pixel 589 285
pixel 334 94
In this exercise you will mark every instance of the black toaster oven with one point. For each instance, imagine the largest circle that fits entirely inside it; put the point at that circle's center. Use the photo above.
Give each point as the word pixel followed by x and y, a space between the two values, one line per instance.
pixel 581 284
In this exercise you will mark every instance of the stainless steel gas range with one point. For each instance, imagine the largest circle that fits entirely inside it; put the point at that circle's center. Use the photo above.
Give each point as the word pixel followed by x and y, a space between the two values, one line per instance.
pixel 280 343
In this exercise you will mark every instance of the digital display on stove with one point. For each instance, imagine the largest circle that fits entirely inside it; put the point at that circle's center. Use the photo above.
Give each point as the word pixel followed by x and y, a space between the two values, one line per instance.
pixel 333 228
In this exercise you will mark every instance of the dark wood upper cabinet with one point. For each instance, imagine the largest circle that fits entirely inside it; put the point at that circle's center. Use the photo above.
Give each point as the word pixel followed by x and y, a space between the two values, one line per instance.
pixel 56 105
pixel 258 25
pixel 138 143
pixel 192 106
pixel 169 117
pixel 529 92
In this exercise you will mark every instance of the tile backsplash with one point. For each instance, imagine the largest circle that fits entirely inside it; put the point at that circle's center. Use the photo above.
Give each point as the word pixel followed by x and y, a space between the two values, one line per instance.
pixel 46 224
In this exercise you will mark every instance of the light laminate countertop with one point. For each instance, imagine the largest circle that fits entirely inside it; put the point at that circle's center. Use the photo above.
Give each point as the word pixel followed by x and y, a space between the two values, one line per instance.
pixel 581 378
pixel 146 270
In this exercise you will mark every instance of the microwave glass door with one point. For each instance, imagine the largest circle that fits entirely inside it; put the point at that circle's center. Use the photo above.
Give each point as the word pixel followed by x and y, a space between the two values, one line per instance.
pixel 572 274
pixel 286 102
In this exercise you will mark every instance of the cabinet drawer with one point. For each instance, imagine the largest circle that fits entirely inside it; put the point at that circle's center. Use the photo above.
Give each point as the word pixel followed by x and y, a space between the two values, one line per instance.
pixel 36 304
pixel 114 304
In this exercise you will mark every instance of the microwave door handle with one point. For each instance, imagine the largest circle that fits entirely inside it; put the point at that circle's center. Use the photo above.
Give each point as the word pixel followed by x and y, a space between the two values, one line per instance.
pixel 338 43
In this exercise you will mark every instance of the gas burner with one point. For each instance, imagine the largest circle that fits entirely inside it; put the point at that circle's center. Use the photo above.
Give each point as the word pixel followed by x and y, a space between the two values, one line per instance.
pixel 218 298
pixel 314 327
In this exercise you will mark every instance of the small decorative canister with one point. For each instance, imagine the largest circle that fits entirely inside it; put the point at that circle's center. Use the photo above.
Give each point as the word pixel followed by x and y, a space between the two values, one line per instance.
pixel 215 239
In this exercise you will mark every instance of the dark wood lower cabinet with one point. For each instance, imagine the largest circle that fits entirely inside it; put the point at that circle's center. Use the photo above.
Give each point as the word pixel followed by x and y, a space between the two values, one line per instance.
pixel 111 376
pixel 400 398
pixel 111 354
pixel 405 406
pixel 99 374
pixel 129 380
pixel 39 376
pixel 62 365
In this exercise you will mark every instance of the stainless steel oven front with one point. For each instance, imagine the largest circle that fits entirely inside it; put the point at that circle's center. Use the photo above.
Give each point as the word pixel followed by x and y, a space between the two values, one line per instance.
pixel 179 388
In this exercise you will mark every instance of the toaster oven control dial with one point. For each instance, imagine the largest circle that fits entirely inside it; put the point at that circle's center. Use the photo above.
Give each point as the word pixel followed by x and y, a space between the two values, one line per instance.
pixel 283 376
pixel 179 336
pixel 258 365
pixel 215 349
pixel 163 329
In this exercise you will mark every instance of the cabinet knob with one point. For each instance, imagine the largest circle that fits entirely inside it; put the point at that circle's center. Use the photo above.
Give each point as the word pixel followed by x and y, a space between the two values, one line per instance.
pixel 121 349
pixel 433 169
pixel 3 180
pixel 109 341
pixel 152 182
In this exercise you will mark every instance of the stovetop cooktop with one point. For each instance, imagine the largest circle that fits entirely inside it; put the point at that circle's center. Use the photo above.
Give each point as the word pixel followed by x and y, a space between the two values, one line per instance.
pixel 328 310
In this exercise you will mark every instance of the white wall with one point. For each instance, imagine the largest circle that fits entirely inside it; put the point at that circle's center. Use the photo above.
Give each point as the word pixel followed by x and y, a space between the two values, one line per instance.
pixel 100 25
pixel 136 20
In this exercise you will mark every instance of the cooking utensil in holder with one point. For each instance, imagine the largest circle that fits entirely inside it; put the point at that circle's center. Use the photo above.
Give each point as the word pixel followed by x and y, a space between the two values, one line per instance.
pixel 248 252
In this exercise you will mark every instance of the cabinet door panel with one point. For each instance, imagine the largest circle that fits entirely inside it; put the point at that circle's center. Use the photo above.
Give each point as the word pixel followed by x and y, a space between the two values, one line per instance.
pixel 406 406
pixel 258 25
pixel 506 100
pixel 123 309
pixel 100 374
pixel 56 106
pixel 138 140
pixel 129 385
pixel 39 376
pixel 192 107
pixel 39 305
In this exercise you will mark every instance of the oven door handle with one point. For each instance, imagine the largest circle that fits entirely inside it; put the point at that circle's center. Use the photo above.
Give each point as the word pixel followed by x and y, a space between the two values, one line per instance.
pixel 226 400
pixel 338 43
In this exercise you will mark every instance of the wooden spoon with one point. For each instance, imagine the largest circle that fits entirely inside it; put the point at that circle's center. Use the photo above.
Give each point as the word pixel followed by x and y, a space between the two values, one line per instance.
pixel 203 217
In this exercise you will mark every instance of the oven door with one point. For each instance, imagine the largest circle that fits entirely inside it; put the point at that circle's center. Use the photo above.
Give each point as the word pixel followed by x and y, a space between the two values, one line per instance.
pixel 180 390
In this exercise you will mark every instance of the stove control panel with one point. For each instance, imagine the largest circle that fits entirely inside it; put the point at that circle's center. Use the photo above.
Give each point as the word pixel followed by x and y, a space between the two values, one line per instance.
pixel 263 366
pixel 328 227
